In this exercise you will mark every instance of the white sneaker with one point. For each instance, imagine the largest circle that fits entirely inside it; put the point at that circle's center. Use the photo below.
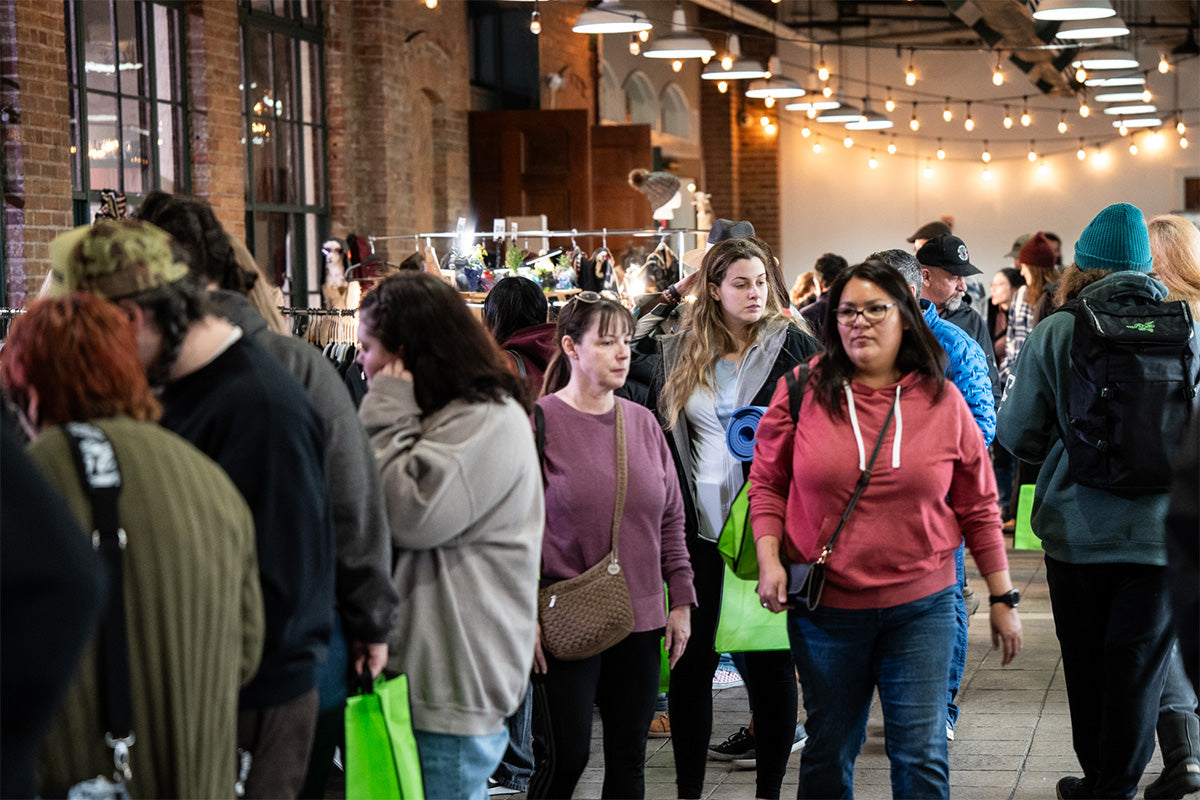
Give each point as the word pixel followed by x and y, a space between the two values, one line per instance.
pixel 727 679
pixel 949 732
pixel 495 788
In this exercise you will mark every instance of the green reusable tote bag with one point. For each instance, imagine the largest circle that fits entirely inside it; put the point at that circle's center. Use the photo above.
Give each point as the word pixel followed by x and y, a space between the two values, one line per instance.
pixel 381 751
pixel 744 624
pixel 1023 536
pixel 736 542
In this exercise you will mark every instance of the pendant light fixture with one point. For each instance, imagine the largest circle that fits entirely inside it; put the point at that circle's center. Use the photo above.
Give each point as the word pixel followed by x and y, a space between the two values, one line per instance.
pixel 1077 29
pixel 679 43
pixel 739 69
pixel 1105 58
pixel 871 119
pixel 1137 108
pixel 775 87
pixel 1138 122
pixel 843 113
pixel 1126 78
pixel 611 17
pixel 1073 9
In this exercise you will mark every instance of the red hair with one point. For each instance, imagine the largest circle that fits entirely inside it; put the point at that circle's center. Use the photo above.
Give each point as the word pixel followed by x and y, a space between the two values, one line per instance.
pixel 81 355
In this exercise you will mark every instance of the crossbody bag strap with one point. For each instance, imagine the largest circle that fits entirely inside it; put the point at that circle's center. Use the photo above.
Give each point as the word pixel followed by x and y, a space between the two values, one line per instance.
pixel 622 481
pixel 863 479
pixel 97 464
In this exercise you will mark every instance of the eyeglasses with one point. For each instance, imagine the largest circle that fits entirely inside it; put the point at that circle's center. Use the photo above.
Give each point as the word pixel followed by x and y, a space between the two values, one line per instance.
pixel 846 315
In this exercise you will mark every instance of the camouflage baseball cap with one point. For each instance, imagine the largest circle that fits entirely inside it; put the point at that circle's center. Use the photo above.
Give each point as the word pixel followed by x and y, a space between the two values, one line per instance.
pixel 113 259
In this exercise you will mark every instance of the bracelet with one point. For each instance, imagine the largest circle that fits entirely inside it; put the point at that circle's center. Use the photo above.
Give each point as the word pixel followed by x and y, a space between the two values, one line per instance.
pixel 672 295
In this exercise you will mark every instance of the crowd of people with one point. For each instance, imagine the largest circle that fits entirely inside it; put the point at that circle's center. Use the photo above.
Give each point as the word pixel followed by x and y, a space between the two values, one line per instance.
pixel 282 543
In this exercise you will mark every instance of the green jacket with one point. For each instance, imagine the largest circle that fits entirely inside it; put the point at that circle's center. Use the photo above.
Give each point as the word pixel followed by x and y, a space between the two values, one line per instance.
pixel 1077 524
pixel 193 606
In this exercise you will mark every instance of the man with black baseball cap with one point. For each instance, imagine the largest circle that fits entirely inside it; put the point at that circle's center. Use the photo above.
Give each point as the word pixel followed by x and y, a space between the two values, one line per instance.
pixel 945 264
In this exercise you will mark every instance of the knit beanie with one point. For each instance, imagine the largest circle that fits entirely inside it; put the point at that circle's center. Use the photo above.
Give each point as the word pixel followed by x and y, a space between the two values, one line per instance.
pixel 1115 240
pixel 1037 252
pixel 659 187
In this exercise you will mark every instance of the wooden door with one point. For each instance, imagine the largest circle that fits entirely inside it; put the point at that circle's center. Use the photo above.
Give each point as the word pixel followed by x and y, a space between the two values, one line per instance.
pixel 617 149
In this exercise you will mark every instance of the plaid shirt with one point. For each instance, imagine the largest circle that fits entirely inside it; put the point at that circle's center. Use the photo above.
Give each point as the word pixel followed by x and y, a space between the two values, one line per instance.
pixel 1020 323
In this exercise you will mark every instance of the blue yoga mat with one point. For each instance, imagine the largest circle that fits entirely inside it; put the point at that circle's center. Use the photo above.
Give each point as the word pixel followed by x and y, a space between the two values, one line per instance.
pixel 742 427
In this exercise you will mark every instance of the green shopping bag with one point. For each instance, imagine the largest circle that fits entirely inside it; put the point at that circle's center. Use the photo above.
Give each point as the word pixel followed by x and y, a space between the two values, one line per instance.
pixel 744 624
pixel 736 542
pixel 381 751
pixel 1023 536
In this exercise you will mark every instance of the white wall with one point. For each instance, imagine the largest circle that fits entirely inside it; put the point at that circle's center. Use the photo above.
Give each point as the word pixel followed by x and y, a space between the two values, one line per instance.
pixel 834 202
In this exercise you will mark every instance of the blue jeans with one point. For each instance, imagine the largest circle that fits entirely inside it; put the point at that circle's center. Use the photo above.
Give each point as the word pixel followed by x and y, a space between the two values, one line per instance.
pixel 958 658
pixel 842 655
pixel 517 765
pixel 456 767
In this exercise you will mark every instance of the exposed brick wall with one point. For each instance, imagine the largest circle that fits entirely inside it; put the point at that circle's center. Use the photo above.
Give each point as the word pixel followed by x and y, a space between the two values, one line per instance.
pixel 718 143
pixel 37 167
pixel 758 178
pixel 215 110
pixel 570 54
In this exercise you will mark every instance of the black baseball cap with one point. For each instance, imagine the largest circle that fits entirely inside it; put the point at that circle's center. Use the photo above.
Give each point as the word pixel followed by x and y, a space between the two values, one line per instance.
pixel 949 253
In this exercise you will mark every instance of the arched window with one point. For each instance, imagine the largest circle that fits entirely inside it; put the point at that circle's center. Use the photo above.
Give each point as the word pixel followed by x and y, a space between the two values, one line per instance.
pixel 643 104
pixel 676 113
pixel 612 99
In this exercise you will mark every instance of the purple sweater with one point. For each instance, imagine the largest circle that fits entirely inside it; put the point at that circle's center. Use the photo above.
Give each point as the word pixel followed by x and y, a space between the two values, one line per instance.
pixel 581 491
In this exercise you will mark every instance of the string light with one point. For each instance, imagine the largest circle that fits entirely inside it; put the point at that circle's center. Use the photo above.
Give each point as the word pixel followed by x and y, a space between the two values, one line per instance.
pixel 987 173
pixel 764 120
pixel 644 35
pixel 635 46
pixel 1062 122
pixel 947 114
pixel 535 22
pixel 910 75
pixel 771 129
pixel 1025 118
pixel 722 87
pixel 914 123
pixel 769 102
pixel 997 73
pixel 986 156
pixel 1008 123
pixel 1032 152
pixel 817 146
pixel 1183 143
pixel 677 65
pixel 941 151
pixel 1133 148
pixel 1084 110
pixel 1123 130
pixel 822 67
pixel 827 91
pixel 1180 128
pixel 969 122
pixel 811 113
pixel 431 4
pixel 1080 74
pixel 848 142
pixel 806 131
pixel 727 61
pixel 889 103
pixel 873 162
pixel 892 146
pixel 928 171
pixel 1163 66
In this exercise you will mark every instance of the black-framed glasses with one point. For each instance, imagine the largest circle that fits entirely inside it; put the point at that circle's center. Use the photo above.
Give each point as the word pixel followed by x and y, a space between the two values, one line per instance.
pixel 871 314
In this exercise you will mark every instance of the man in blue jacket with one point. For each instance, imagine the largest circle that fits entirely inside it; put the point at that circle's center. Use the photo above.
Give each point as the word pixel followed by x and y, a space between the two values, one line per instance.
pixel 1105 551
pixel 967 369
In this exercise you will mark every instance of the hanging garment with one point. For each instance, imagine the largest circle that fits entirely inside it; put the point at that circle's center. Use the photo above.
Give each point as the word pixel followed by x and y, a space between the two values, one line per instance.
pixel 585 271
pixel 662 268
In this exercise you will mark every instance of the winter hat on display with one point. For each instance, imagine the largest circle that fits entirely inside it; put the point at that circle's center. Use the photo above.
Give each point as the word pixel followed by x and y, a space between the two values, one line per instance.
pixel 949 253
pixel 1115 240
pixel 1037 252
pixel 930 230
pixel 659 187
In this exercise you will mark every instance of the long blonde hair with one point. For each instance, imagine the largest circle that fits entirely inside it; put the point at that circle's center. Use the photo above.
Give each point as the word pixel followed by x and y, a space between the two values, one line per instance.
pixel 705 335
pixel 1175 244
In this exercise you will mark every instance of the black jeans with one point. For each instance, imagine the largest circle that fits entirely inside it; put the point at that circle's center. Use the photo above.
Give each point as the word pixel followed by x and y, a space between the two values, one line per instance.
pixel 770 681
pixel 623 682
pixel 1114 629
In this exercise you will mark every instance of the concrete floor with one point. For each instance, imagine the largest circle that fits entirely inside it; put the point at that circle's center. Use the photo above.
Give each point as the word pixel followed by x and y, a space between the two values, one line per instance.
pixel 1012 740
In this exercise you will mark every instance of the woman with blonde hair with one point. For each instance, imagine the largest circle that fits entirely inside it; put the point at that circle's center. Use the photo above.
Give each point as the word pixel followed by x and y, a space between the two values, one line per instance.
pixel 733 345
pixel 1175 245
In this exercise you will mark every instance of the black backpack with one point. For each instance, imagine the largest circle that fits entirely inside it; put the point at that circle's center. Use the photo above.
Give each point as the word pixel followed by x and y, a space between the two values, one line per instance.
pixel 1135 366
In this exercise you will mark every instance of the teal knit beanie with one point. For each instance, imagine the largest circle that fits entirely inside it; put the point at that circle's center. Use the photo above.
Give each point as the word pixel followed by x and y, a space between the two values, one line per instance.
pixel 1115 240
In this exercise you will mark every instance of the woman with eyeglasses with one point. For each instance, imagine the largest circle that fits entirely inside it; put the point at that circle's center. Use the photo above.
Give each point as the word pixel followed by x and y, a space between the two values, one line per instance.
pixel 733 345
pixel 447 421
pixel 886 618
pixel 580 420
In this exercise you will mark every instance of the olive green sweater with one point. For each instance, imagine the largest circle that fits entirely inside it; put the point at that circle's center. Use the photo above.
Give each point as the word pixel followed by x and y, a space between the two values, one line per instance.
pixel 194 611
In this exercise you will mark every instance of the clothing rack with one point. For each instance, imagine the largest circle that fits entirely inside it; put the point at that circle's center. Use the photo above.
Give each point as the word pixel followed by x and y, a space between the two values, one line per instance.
pixel 7 315
pixel 323 326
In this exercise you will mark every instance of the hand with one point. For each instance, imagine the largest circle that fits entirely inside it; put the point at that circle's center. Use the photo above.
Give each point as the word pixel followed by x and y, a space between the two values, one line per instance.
pixel 539 656
pixel 772 576
pixel 685 285
pixel 679 630
pixel 1006 631
pixel 374 656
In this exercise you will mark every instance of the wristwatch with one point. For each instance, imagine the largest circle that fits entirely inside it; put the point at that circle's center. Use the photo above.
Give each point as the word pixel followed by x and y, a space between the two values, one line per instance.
pixel 1011 598
pixel 672 295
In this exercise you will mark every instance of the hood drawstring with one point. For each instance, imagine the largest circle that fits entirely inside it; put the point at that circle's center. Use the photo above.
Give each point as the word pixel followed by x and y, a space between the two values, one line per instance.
pixel 862 453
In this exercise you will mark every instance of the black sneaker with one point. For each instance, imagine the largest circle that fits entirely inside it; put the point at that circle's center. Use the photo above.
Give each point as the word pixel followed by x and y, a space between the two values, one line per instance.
pixel 1069 788
pixel 739 748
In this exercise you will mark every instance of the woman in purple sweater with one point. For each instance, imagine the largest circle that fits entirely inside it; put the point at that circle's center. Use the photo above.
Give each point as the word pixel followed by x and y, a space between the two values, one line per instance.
pixel 579 467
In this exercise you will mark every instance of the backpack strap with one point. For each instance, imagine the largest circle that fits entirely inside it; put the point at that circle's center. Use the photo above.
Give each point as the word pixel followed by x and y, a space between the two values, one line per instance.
pixel 797 380
pixel 539 438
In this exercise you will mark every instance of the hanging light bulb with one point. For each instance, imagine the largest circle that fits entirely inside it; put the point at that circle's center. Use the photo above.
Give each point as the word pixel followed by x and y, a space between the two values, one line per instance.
pixel 812 112
pixel 535 22
pixel 1146 96
pixel 1084 110
pixel 941 151
pixel 644 35
pixel 817 146
pixel 1133 148
pixel 928 171
pixel 1008 122
pixel 1080 74
pixel 969 122
pixel 892 146
pixel 873 163
pixel 889 103
pixel 726 61
pixel 676 65
pixel 1123 129
pixel 722 87
pixel 1025 118
pixel 986 174
pixel 986 155
pixel 1032 152
pixel 1062 122
pixel 635 46
pixel 914 123
pixel 1163 66
pixel 822 67
pixel 769 102
pixel 431 4
pixel 848 142
pixel 764 120
pixel 827 91
pixel 997 73
pixel 947 114
pixel 910 74
pixel 806 131
pixel 1081 153
pixel 1183 143
pixel 1180 128
pixel 771 129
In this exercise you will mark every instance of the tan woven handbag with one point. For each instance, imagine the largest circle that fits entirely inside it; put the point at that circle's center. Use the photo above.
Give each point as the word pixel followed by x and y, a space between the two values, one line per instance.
pixel 588 614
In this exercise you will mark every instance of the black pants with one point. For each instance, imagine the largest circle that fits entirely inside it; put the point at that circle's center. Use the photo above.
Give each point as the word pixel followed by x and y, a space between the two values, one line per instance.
pixel 1114 629
pixel 623 682
pixel 770 681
